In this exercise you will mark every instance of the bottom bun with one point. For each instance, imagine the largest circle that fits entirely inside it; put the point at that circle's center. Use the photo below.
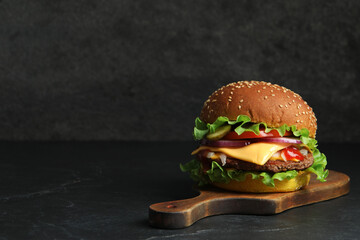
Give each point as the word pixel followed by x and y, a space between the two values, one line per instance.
pixel 256 185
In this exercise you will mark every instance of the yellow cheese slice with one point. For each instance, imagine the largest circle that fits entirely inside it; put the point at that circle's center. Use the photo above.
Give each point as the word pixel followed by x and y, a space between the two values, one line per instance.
pixel 258 153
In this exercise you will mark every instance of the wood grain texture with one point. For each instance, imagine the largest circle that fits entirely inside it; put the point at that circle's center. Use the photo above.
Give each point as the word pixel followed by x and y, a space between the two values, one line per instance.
pixel 212 201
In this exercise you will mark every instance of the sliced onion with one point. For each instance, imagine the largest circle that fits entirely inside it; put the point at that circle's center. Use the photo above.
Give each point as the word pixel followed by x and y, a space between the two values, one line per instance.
pixel 210 154
pixel 276 155
pixel 304 151
pixel 223 159
pixel 277 140
pixel 226 143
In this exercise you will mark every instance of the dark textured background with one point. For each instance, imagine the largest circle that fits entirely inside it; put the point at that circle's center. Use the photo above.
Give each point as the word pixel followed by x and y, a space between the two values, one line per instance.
pixel 140 70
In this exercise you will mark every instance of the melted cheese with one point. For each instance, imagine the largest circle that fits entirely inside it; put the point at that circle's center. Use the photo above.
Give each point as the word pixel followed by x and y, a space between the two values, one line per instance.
pixel 258 153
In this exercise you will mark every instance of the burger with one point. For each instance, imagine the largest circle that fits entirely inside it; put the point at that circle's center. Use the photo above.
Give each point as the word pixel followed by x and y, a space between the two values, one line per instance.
pixel 256 137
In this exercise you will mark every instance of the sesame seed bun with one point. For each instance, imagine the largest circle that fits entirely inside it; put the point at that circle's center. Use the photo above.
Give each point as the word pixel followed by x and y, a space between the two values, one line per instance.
pixel 262 102
pixel 256 186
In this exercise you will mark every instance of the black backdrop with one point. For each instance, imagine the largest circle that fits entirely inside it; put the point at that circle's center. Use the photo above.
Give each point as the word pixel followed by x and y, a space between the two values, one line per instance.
pixel 140 70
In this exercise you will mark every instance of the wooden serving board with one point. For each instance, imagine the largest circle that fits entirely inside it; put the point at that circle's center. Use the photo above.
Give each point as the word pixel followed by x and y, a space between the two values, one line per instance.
pixel 212 201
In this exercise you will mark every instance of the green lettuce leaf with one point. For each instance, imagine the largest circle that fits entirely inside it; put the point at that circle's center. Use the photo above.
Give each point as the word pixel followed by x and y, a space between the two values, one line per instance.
pixel 243 124
pixel 319 165
pixel 194 168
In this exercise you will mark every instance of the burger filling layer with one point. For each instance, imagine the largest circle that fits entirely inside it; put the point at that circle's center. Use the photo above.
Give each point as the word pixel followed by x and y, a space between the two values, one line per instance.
pixel 270 166
pixel 257 153
pixel 268 157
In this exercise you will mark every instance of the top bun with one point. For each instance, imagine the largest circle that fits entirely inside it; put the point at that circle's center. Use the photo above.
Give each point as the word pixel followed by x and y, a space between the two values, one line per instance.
pixel 262 102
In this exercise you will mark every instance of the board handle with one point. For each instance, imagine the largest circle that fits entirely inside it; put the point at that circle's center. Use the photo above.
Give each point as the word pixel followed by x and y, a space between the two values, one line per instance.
pixel 179 213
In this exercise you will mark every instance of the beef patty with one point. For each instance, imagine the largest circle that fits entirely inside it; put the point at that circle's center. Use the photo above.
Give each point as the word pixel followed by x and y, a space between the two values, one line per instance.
pixel 270 166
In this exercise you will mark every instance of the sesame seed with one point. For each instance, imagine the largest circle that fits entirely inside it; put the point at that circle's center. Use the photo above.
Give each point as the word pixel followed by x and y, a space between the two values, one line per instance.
pixel 273 95
pixel 296 115
pixel 286 105
pixel 229 99
pixel 303 112
pixel 288 96
pixel 241 100
pixel 265 97
pixel 301 121
pixel 214 100
pixel 231 92
pixel 271 90
pixel 264 87
pixel 239 107
pixel 222 92
pixel 280 106
pixel 258 91
pixel 293 100
pixel 297 121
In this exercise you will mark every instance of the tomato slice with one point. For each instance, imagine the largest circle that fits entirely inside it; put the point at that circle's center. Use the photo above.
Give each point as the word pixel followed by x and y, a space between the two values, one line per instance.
pixel 273 133
pixel 291 153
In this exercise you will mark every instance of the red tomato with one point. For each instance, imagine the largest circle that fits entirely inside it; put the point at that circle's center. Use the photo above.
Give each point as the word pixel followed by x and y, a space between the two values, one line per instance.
pixel 273 133
pixel 291 152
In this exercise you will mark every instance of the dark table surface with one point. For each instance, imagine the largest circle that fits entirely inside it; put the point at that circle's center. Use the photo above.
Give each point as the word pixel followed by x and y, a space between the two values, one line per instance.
pixel 102 190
